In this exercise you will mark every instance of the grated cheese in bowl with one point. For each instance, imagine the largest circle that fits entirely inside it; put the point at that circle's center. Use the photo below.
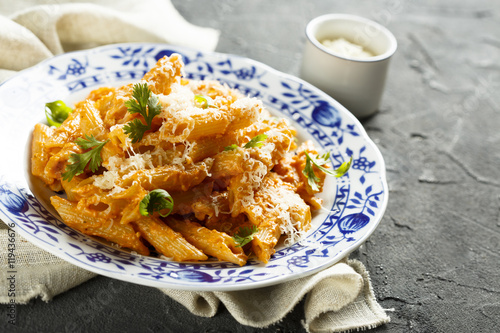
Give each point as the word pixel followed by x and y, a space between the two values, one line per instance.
pixel 344 48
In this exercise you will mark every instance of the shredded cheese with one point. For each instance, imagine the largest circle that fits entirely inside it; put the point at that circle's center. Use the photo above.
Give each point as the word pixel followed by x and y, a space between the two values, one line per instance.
pixel 107 180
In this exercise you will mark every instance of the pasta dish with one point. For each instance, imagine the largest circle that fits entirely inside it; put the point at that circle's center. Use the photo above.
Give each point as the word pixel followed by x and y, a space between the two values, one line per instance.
pixel 181 168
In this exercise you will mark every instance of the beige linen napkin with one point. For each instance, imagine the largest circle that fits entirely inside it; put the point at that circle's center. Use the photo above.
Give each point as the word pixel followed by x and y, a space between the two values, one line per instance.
pixel 337 299
pixel 38 273
pixel 31 34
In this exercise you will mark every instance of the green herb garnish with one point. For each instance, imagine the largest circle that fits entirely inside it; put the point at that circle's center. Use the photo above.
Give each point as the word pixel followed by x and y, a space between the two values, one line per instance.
pixel 319 161
pixel 255 142
pixel 231 147
pixel 245 235
pixel 203 101
pixel 56 113
pixel 155 201
pixel 78 162
pixel 147 105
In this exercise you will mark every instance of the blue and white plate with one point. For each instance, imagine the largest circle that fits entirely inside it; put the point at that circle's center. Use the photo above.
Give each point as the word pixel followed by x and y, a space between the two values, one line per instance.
pixel 353 204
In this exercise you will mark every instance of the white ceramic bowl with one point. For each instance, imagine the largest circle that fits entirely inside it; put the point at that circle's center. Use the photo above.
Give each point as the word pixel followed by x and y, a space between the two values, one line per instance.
pixel 358 84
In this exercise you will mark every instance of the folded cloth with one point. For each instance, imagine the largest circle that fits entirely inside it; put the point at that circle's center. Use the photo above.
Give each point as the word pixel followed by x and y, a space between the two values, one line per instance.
pixel 32 34
pixel 38 273
pixel 339 298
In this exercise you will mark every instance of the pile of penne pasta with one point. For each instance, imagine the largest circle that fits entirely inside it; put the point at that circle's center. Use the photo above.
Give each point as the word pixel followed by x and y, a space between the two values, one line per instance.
pixel 226 163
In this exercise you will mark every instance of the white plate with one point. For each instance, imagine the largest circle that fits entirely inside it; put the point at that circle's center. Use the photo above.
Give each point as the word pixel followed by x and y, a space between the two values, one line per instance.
pixel 354 203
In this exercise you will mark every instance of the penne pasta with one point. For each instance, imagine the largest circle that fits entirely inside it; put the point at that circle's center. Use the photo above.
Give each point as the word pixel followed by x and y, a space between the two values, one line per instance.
pixel 210 122
pixel 90 223
pixel 112 107
pixel 265 240
pixel 229 163
pixel 277 209
pixel 167 241
pixel 183 168
pixel 245 111
pixel 57 162
pixel 69 131
pixel 40 156
pixel 90 120
pixel 211 242
pixel 166 72
pixel 171 177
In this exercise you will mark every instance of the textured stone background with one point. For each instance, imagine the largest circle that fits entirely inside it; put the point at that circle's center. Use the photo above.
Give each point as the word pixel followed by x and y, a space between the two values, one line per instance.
pixel 435 258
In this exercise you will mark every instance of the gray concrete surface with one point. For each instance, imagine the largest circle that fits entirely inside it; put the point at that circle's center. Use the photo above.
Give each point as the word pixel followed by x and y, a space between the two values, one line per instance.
pixel 435 258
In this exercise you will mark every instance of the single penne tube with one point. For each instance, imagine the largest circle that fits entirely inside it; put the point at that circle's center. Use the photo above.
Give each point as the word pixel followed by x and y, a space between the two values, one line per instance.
pixel 162 153
pixel 242 187
pixel 229 163
pixel 170 177
pixel 81 187
pixel 209 146
pixel 56 164
pixel 276 198
pixel 69 131
pixel 244 111
pixel 167 241
pixel 40 156
pixel 92 125
pixel 112 106
pixel 174 130
pixel 265 239
pixel 72 216
pixel 90 223
pixel 210 122
pixel 90 120
pixel 290 170
pixel 276 209
pixel 211 207
pixel 166 72
pixel 103 94
pixel 211 242
pixel 74 186
pixel 132 197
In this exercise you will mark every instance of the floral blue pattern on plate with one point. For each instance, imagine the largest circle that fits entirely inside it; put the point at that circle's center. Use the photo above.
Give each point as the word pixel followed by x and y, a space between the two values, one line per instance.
pixel 353 204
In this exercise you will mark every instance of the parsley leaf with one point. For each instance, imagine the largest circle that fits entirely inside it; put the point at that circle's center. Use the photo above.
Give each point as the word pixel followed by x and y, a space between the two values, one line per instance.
pixel 78 162
pixel 312 179
pixel 231 147
pixel 147 105
pixel 56 113
pixel 256 141
pixel 319 161
pixel 155 201
pixel 245 235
